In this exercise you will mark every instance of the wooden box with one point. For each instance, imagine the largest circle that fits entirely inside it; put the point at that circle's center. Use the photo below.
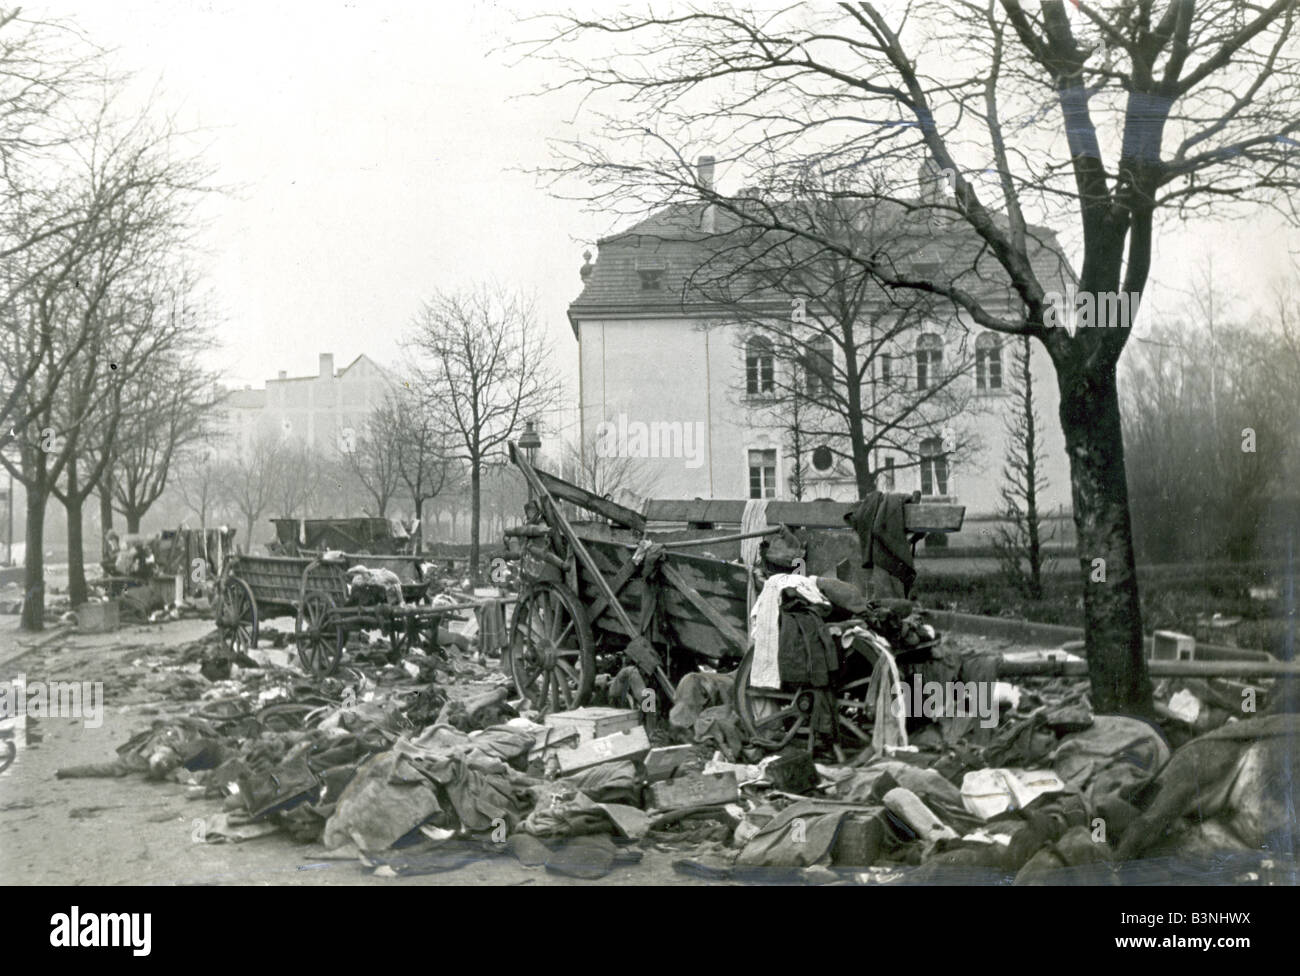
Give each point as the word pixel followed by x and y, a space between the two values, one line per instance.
pixel 98 618
pixel 1168 645
pixel 621 745
pixel 595 723
pixel 698 789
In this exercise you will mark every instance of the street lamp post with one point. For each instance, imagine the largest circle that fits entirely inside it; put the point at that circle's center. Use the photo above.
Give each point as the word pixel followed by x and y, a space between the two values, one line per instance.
pixel 530 442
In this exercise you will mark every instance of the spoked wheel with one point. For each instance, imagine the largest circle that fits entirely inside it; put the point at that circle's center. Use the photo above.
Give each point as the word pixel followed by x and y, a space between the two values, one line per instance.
pixel 552 656
pixel 236 615
pixel 835 718
pixel 320 643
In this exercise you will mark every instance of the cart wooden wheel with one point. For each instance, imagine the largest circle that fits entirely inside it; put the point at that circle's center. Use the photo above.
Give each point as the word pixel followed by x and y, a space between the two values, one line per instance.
pixel 236 615
pixel 552 654
pixel 400 636
pixel 320 642
pixel 776 718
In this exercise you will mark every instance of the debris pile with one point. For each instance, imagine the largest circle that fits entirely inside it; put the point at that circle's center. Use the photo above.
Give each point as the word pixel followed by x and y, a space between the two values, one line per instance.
pixel 423 762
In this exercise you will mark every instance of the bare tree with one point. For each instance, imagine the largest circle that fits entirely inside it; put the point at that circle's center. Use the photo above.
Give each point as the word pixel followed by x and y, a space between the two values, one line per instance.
pixel 425 465
pixel 199 482
pixel 82 326
pixel 1211 424
pixel 372 456
pixel 250 479
pixel 847 372
pixel 484 369
pixel 1195 104
pixel 1020 540
pixel 606 474
pixel 167 412
pixel 296 475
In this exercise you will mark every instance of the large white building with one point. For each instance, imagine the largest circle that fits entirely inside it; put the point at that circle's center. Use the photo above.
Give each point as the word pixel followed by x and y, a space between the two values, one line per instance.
pixel 664 371
pixel 320 411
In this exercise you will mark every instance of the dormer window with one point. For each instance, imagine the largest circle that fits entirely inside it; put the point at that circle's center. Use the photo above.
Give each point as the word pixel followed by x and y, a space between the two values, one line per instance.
pixel 650 270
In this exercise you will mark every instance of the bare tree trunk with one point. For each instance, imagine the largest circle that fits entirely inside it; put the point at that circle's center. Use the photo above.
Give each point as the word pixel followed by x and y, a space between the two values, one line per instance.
pixel 475 512
pixel 1090 419
pixel 77 589
pixel 1031 479
pixel 419 526
pixel 133 518
pixel 34 564
pixel 105 513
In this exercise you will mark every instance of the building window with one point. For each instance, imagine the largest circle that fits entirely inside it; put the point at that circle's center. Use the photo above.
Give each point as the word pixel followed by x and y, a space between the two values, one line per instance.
pixel 759 368
pixel 934 467
pixel 762 474
pixel 819 366
pixel 887 480
pixel 988 363
pixel 652 279
pixel 929 361
pixel 886 367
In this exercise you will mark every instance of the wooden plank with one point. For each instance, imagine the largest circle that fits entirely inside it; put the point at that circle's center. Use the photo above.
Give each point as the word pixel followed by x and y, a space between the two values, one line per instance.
pixel 616 584
pixel 1159 669
pixel 662 762
pixel 568 492
pixel 918 517
pixel 710 612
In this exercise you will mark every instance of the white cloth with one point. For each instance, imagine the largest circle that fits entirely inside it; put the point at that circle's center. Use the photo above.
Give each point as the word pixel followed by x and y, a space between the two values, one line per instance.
pixel 765 624
pixel 753 519
pixel 885 691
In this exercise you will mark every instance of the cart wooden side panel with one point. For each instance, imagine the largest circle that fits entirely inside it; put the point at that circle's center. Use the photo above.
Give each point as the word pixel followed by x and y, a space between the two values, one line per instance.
pixel 276 581
pixel 721 585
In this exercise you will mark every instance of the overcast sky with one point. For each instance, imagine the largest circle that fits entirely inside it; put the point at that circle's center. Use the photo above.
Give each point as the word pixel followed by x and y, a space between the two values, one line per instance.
pixel 373 147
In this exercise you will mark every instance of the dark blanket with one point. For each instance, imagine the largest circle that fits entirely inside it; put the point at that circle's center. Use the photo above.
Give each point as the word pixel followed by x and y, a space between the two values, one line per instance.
pixel 806 654
pixel 878 521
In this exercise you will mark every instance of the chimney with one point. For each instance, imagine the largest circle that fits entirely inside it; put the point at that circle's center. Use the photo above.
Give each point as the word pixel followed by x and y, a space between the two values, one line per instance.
pixel 327 365
pixel 282 375
pixel 934 182
pixel 704 173
pixel 704 167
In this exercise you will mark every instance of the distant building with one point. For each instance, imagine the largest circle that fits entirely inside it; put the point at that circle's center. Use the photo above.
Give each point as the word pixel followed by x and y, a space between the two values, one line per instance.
pixel 321 411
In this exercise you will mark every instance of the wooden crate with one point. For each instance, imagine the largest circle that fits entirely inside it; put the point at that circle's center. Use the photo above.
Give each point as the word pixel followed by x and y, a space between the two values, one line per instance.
pixel 595 723
pixel 1169 645
pixel 698 789
pixel 661 763
pixel 610 748
pixel 98 618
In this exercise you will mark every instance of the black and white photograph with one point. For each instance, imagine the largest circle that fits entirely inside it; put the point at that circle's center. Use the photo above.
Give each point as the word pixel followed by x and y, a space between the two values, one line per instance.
pixel 651 444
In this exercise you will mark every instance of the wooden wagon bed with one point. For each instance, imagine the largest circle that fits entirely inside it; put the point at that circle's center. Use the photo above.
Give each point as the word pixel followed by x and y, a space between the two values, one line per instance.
pixel 649 587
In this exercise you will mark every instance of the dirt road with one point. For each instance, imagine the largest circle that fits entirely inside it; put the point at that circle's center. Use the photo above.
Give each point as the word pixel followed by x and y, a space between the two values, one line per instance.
pixel 131 831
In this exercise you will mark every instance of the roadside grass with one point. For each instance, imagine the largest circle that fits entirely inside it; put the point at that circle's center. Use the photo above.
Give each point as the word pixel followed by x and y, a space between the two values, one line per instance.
pixel 1173 598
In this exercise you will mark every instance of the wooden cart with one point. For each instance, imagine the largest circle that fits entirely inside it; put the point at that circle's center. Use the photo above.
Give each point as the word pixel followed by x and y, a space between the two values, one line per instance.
pixel 314 591
pixel 596 595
